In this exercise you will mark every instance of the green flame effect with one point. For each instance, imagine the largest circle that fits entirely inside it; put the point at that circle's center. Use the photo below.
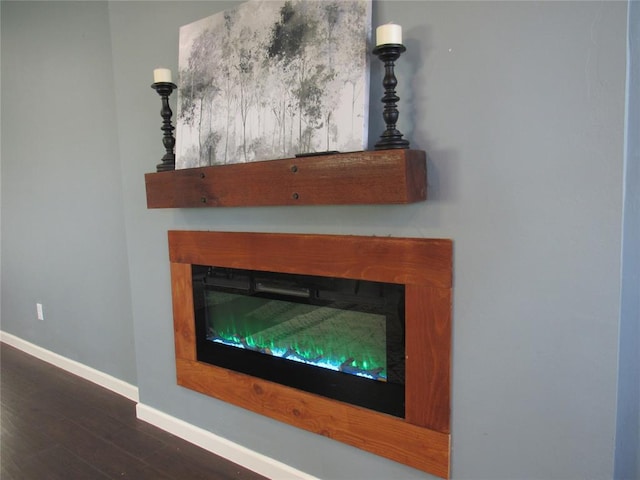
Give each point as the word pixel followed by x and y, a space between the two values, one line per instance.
pixel 329 337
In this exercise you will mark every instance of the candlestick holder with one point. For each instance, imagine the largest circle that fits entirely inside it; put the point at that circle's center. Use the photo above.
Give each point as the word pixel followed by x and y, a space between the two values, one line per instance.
pixel 164 89
pixel 391 137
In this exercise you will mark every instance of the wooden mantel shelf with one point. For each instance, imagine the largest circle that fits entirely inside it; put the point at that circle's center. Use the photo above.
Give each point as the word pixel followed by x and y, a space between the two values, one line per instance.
pixel 369 177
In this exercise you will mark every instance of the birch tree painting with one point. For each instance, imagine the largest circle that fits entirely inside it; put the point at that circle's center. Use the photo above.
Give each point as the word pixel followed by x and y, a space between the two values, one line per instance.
pixel 270 79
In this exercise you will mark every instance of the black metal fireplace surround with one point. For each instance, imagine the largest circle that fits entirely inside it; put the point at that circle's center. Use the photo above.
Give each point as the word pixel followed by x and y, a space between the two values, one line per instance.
pixel 340 338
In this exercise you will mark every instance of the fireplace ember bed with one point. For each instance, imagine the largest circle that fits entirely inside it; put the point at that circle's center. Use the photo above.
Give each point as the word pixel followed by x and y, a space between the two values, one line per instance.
pixel 345 336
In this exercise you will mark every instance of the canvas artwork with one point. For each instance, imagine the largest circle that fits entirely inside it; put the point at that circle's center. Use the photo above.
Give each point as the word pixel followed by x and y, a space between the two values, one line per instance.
pixel 271 79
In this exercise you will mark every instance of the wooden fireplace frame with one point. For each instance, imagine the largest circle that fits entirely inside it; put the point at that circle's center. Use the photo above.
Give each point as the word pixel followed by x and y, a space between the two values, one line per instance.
pixel 422 439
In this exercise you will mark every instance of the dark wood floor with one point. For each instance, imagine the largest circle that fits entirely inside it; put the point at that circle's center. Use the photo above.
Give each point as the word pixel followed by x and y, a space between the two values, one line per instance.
pixel 56 425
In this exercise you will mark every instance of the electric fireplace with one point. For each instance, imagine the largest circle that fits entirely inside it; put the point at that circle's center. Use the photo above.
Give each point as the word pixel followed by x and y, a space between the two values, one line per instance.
pixel 300 330
pixel 344 336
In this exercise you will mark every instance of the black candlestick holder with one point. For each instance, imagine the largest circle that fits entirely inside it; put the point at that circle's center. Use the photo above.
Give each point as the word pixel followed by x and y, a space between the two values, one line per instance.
pixel 164 89
pixel 391 137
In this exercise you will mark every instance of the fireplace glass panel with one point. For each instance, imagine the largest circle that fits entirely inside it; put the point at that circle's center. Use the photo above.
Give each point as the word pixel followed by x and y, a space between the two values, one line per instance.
pixel 341 338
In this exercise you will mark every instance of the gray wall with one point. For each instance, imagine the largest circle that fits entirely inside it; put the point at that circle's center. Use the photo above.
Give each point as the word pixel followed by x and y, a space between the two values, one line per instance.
pixel 521 108
pixel 63 237
pixel 627 460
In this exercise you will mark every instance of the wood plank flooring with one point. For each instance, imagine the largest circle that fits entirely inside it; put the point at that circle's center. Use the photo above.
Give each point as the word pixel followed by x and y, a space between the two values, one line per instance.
pixel 55 425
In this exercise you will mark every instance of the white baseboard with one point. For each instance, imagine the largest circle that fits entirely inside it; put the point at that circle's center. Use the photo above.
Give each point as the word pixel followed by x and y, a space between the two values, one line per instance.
pixel 227 449
pixel 99 378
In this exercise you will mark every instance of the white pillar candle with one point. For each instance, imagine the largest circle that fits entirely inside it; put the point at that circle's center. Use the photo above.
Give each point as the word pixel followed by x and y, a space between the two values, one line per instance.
pixel 388 33
pixel 162 75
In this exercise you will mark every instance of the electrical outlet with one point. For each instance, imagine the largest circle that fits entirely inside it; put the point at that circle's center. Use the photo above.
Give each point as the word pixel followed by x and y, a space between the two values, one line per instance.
pixel 39 310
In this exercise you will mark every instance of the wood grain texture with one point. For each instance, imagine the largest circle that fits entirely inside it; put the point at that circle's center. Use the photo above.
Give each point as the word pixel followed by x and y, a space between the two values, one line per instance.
pixel 184 327
pixel 381 434
pixel 428 357
pixel 370 177
pixel 418 261
pixel 422 438
pixel 58 426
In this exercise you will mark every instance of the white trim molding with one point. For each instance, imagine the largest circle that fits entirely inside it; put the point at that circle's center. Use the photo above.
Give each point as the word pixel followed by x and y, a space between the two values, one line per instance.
pixel 96 376
pixel 227 449
pixel 220 446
